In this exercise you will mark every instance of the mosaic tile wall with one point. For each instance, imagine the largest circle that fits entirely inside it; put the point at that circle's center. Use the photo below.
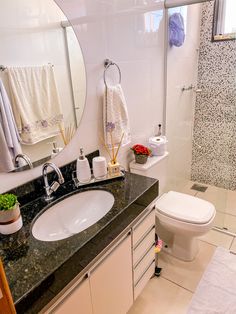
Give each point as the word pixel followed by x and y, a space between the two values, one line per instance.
pixel 214 136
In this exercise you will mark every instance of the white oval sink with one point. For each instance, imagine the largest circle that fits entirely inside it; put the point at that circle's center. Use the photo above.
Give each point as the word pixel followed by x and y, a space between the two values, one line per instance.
pixel 72 215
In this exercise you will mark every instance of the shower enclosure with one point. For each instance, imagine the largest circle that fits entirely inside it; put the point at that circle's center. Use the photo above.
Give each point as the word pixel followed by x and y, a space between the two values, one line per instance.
pixel 201 109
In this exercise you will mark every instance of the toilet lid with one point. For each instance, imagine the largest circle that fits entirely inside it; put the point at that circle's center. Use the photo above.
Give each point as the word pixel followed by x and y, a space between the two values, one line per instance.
pixel 185 207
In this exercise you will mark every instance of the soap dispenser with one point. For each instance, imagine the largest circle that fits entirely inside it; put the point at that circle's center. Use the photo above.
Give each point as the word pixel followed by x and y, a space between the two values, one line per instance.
pixel 83 171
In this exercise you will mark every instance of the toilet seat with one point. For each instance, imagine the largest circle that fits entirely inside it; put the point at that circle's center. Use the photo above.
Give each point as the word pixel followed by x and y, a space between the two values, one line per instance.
pixel 185 208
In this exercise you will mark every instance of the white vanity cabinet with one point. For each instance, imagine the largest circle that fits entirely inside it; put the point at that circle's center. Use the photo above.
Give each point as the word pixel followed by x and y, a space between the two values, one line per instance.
pixel 78 301
pixel 111 282
pixel 115 280
pixel 108 288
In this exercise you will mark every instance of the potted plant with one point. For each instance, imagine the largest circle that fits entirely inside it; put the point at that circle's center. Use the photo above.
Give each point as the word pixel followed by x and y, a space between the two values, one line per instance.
pixel 10 217
pixel 141 153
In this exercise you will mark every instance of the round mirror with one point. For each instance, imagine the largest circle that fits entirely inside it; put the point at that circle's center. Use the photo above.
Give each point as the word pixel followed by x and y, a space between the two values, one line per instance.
pixel 42 83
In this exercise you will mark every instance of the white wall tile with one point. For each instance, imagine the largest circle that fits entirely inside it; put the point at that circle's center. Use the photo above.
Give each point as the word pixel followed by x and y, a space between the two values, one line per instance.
pixel 141 60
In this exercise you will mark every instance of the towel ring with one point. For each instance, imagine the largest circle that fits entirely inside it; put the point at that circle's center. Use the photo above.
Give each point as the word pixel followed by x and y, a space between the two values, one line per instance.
pixel 107 64
pixel 2 68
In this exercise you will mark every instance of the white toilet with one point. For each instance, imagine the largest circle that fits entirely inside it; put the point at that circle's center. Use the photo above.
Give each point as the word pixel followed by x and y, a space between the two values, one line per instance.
pixel 180 218
pixel 185 217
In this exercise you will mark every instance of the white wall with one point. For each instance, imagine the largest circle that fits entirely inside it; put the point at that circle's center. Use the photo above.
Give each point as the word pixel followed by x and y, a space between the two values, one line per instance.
pixel 31 35
pixel 182 65
pixel 114 29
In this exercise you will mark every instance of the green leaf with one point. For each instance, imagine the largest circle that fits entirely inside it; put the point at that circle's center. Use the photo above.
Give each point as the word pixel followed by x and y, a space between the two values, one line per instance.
pixel 7 201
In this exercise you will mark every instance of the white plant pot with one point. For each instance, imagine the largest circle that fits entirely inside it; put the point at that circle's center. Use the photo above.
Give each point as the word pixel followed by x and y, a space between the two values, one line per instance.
pixel 10 220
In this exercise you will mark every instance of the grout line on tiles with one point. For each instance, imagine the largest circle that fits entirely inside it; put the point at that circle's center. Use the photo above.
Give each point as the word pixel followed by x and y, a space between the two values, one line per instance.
pixel 224 231
pixel 225 213
pixel 231 243
pixel 206 241
pixel 177 284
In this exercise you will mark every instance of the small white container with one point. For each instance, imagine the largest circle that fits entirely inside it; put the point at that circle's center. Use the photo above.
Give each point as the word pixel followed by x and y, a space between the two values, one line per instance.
pixel 157 144
pixel 99 167
pixel 83 170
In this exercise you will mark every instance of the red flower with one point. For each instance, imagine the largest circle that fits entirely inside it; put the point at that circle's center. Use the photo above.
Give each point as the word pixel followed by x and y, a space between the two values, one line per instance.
pixel 139 149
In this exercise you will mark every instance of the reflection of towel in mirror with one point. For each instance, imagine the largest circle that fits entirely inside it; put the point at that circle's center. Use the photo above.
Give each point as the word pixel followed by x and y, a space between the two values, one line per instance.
pixel 115 111
pixel 35 102
pixel 6 163
pixel 9 145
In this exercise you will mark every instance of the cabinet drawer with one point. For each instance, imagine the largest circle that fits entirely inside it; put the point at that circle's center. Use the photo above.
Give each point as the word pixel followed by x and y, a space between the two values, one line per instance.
pixel 144 264
pixel 143 247
pixel 143 227
pixel 78 298
pixel 144 280
pixel 111 282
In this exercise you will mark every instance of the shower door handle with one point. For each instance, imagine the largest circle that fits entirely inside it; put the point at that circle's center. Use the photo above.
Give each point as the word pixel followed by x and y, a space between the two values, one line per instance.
pixel 198 90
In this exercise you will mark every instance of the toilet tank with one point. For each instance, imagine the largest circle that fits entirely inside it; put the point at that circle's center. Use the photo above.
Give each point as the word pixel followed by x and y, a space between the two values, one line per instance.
pixel 155 167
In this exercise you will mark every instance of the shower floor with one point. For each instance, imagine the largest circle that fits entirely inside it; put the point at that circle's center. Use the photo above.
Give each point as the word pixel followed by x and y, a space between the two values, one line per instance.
pixel 224 201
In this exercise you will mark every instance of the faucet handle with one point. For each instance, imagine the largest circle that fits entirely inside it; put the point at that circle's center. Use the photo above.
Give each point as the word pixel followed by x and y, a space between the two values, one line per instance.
pixel 54 186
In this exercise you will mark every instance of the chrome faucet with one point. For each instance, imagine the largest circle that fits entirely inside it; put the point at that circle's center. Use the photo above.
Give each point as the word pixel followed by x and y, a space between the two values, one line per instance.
pixel 25 158
pixel 55 185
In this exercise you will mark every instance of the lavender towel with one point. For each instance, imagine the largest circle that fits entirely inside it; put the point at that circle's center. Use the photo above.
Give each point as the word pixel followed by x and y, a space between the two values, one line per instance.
pixel 176 30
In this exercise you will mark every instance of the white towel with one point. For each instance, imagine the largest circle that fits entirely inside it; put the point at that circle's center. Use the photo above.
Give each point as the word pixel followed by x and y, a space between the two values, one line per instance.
pixel 9 142
pixel 115 111
pixel 35 102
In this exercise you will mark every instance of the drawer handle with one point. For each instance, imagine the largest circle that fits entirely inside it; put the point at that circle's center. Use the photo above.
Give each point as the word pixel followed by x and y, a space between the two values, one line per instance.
pixel 146 270
pixel 144 236
pixel 135 265
pixel 147 252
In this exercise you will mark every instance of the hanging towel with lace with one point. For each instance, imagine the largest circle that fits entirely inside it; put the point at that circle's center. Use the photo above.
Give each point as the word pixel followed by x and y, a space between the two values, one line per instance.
pixel 115 112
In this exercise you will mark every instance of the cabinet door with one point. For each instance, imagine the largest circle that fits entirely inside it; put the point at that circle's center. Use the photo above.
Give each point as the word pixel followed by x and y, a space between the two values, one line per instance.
pixel 77 302
pixel 111 281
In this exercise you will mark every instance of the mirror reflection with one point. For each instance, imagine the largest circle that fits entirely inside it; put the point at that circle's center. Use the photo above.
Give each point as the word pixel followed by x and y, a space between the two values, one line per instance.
pixel 224 25
pixel 42 83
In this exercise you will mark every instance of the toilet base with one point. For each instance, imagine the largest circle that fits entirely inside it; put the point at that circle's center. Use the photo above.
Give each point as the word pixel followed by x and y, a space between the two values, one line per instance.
pixel 183 248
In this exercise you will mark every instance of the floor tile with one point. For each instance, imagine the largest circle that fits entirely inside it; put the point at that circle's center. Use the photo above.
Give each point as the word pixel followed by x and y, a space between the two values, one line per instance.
pixel 219 220
pixel 186 274
pixel 187 189
pixel 215 195
pixel 231 203
pixel 218 238
pixel 183 186
pixel 230 223
pixel 163 297
pixel 233 246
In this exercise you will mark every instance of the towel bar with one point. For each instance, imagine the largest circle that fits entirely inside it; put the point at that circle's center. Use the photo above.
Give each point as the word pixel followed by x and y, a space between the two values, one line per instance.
pixel 3 68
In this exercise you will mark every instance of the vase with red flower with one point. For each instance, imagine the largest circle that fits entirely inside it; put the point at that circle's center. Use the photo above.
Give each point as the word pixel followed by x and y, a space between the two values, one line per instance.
pixel 141 153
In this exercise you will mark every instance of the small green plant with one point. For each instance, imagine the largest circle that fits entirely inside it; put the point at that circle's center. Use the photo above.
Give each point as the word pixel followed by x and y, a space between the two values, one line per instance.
pixel 7 201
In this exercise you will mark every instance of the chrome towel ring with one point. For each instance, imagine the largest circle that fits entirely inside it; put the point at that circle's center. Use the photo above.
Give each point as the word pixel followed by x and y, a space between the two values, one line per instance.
pixel 107 64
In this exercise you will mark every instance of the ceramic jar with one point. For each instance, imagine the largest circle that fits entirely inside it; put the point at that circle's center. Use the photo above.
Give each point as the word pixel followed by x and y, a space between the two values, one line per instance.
pixel 10 220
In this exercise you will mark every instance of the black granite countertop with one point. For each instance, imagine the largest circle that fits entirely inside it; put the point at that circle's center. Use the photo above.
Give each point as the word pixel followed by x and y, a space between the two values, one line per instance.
pixel 38 270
